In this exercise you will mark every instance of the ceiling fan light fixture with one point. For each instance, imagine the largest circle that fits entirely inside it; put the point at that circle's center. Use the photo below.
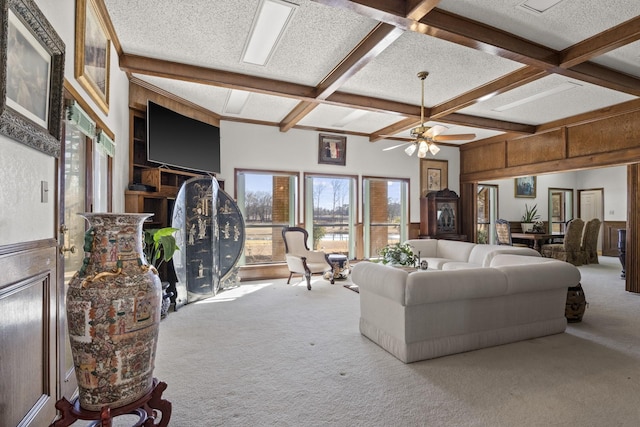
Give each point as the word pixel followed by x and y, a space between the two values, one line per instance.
pixel 417 132
pixel 423 148
pixel 410 149
pixel 433 148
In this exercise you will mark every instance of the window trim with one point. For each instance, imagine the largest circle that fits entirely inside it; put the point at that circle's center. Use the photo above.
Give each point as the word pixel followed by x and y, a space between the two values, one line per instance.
pixel 365 241
pixel 294 191
pixel 355 215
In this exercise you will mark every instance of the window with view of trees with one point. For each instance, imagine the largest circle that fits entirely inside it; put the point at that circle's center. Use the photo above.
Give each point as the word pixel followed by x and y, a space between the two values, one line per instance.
pixel 329 213
pixel 268 203
pixel 386 213
pixel 487 202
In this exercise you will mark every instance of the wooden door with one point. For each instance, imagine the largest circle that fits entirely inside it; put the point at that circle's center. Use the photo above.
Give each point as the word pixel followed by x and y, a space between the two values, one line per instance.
pixel 591 206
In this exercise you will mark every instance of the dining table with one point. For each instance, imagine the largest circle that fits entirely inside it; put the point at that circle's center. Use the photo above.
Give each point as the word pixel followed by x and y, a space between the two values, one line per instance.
pixel 538 239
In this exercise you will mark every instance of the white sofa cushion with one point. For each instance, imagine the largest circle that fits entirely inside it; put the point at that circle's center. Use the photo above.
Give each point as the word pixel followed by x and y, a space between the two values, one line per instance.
pixel 424 287
pixel 483 254
pixel 454 250
pixel 501 259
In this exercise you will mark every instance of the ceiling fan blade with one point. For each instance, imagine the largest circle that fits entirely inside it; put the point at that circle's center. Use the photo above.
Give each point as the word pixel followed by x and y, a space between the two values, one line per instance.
pixel 458 137
pixel 396 146
pixel 435 131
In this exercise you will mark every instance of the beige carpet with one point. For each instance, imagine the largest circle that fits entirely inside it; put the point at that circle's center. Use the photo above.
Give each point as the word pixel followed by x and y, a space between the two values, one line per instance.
pixel 271 354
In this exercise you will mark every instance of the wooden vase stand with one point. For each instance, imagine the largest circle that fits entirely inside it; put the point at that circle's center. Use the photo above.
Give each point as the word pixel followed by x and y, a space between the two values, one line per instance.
pixel 146 408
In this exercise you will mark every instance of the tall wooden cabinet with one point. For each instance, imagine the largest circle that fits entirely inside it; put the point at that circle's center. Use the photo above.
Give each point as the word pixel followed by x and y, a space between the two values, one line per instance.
pixel 440 216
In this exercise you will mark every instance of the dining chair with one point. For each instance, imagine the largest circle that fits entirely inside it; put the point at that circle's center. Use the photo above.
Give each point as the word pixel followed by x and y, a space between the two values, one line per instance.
pixel 302 260
pixel 503 234
pixel 590 241
pixel 570 250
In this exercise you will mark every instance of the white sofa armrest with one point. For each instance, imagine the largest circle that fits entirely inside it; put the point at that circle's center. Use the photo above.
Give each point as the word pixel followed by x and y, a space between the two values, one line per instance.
pixel 527 278
pixel 428 248
pixel 380 279
pixel 455 250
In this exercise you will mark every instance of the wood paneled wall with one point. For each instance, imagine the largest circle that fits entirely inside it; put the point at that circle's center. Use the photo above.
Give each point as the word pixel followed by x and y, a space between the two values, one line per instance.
pixel 28 334
pixel 607 142
pixel 610 237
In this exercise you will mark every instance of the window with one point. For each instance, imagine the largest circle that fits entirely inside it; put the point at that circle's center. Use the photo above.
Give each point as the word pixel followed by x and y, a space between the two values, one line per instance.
pixel 329 213
pixel 268 202
pixel 386 213
pixel 560 209
pixel 487 213
pixel 102 166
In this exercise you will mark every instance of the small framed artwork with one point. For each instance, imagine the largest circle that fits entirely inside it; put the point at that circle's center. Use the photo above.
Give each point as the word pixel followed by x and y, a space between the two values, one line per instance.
pixel 31 77
pixel 332 150
pixel 93 47
pixel 525 187
pixel 434 175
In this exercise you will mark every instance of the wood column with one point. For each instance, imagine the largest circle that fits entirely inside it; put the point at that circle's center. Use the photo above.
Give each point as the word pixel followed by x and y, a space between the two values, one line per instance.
pixel 468 208
pixel 279 215
pixel 633 222
pixel 379 211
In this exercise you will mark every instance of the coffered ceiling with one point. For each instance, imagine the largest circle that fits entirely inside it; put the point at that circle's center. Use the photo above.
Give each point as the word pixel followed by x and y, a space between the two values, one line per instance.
pixel 494 67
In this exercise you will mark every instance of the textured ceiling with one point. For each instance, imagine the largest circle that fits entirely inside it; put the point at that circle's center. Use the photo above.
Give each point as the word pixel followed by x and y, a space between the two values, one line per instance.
pixel 478 60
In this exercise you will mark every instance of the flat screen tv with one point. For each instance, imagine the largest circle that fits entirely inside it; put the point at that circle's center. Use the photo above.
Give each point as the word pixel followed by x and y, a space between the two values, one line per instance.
pixel 180 141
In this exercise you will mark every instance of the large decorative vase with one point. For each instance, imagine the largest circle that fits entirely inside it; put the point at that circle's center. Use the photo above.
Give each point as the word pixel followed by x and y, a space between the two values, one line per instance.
pixel 113 313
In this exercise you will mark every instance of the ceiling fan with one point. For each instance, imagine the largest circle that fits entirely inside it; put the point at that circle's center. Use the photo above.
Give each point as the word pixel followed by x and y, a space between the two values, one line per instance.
pixel 425 136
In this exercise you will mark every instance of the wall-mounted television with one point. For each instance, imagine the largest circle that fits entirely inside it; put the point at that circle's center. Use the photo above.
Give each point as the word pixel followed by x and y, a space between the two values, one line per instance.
pixel 180 141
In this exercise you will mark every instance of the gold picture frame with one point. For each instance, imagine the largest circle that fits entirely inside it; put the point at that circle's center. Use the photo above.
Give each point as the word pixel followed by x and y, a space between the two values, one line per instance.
pixel 434 176
pixel 92 53
pixel 525 187
pixel 31 77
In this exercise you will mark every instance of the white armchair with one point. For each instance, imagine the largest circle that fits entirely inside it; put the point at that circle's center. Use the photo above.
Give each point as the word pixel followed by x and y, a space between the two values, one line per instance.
pixel 300 259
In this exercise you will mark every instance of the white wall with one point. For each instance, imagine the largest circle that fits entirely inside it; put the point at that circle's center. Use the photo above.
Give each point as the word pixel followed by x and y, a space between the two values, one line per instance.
pixel 24 218
pixel 61 14
pixel 246 146
pixel 613 180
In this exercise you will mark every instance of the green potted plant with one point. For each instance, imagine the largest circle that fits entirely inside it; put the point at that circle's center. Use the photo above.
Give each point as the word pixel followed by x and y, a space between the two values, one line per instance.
pixel 529 218
pixel 399 254
pixel 159 247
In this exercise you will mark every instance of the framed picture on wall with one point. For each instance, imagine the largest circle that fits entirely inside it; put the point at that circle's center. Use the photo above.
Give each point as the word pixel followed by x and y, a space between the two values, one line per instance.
pixel 332 149
pixel 31 79
pixel 434 175
pixel 525 187
pixel 93 47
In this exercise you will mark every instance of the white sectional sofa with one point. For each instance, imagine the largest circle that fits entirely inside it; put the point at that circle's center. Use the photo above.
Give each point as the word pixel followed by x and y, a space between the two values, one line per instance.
pixel 427 314
pixel 454 255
